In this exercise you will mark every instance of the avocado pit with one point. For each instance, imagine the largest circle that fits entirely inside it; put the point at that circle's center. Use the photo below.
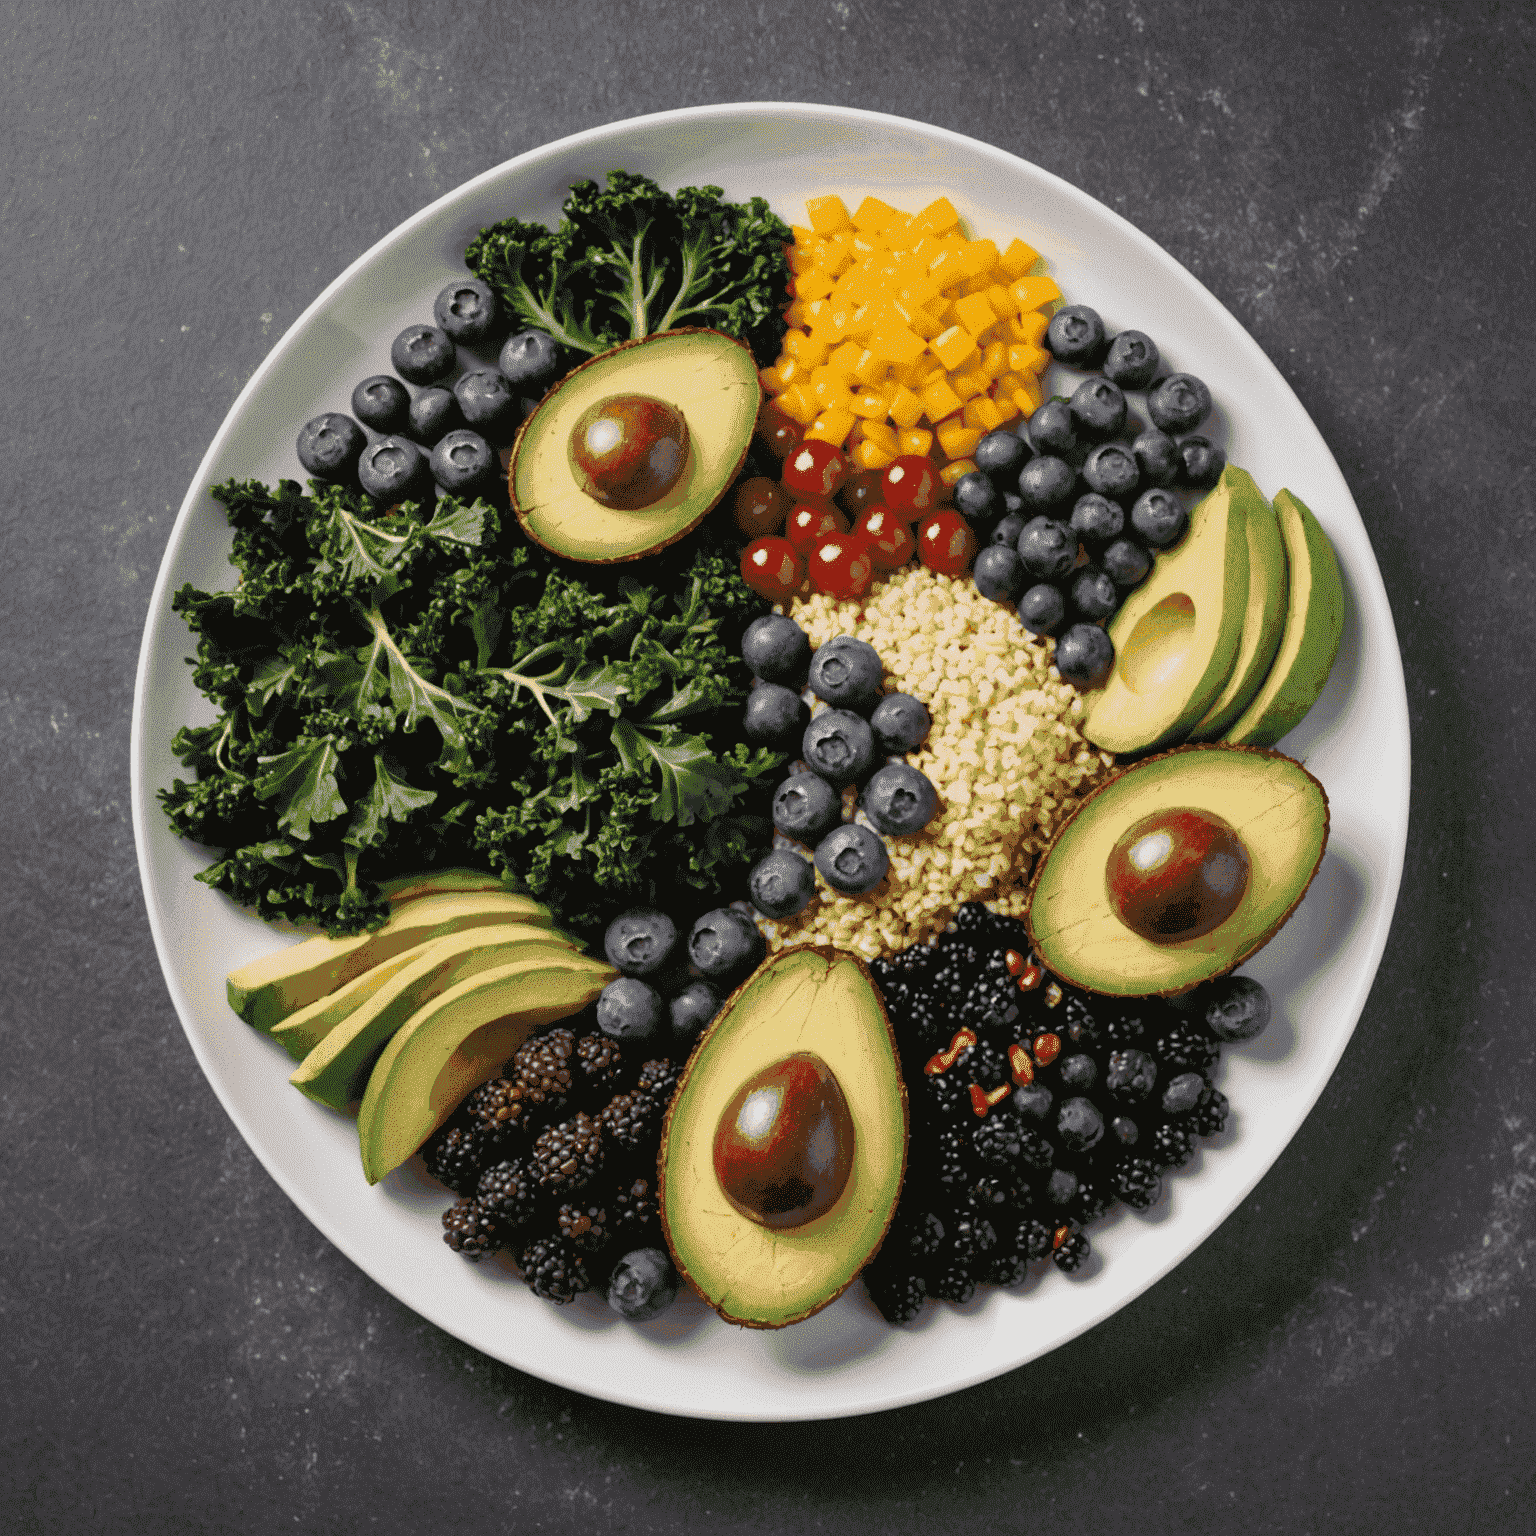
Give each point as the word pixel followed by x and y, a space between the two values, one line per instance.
pixel 1177 874
pixel 784 1145
pixel 628 450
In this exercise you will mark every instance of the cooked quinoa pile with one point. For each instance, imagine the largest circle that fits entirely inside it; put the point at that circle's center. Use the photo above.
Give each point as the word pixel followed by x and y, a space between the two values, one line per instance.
pixel 1005 755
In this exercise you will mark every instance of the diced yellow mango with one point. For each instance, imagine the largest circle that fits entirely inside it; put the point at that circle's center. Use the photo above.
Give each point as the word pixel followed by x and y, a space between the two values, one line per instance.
pixel 982 412
pixel 880 434
pixel 917 319
pixel 953 347
pixel 958 470
pixel 826 214
pixel 974 313
pixel 979 258
pixel 813 284
pixel 896 344
pixel 869 369
pixel 944 269
pixel 870 404
pixel 1029 327
pixel 905 408
pixel 868 455
pixel 795 313
pixel 1017 259
pixel 1029 396
pixel 1023 358
pixel 918 440
pixel 802 258
pixel 1006 407
pixel 1034 292
pixel 1001 300
pixel 799 404
pixel 939 400
pixel 938 217
pixel 971 381
pixel 994 359
pixel 834 258
pixel 803 236
pixel 900 234
pixel 771 378
pixel 846 358
pixel 833 425
pixel 804 349
pixel 858 283
pixel 871 216
pixel 956 439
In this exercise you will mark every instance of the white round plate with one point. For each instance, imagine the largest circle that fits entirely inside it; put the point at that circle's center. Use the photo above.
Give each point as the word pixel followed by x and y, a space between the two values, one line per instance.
pixel 1319 969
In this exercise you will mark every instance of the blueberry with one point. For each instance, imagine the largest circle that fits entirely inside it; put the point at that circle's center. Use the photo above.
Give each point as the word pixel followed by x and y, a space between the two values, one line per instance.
pixel 1182 1094
pixel 1079 1124
pixel 1099 409
pixel 999 573
pixel 806 807
pixel 1092 594
pixel 640 942
pixel 975 496
pixel 1125 1130
pixel 643 1285
pixel 1000 455
pixel 1200 463
pixel 1096 520
pixel 725 945
pixel 434 413
pixel 1042 609
pixel 1033 1100
pixel 393 469
pixel 1235 1008
pixel 1085 656
pixel 1052 429
pixel 1157 457
pixel 1047 484
pixel 1111 470
pixel 1008 529
pixel 1061 1187
pixel 463 463
pixel 847 673
pixel 839 746
pixel 383 403
pixel 777 650
pixel 490 404
pixel 1078 1071
pixel 781 884
pixel 530 361
pixel 1178 403
pixel 329 445
pixel 900 723
pixel 1132 360
pixel 423 354
pixel 1047 548
pixel 629 1010
pixel 852 859
pixel 1125 562
pixel 775 717
pixel 466 310
pixel 1131 1074
pixel 1159 517
pixel 1076 336
pixel 690 1011
pixel 899 799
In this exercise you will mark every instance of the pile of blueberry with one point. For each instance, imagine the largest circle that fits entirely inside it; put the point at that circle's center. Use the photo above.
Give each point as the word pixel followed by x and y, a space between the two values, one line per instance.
pixel 447 432
pixel 1073 476
pixel 851 742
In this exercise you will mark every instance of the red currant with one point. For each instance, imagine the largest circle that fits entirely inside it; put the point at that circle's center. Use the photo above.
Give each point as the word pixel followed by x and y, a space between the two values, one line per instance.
pixel 811 521
pixel 911 486
pixel 772 569
pixel 815 468
pixel 861 491
pixel 841 565
pixel 891 543
pixel 946 544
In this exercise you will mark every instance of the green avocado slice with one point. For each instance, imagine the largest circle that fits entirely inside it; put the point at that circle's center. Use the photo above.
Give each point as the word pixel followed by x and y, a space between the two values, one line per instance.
pixel 1276 807
pixel 709 377
pixel 814 1000
pixel 1263 622
pixel 459 1040
pixel 1314 624
pixel 1177 635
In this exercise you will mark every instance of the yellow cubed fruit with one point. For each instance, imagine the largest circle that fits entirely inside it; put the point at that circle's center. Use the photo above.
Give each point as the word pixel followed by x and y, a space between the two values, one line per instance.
pixel 1007 408
pixel 896 344
pixel 1030 327
pixel 871 216
pixel 880 434
pixel 974 313
pixel 972 381
pixel 868 455
pixel 953 347
pixel 1017 259
pixel 857 283
pixel 1028 396
pixel 1023 358
pixel 802 258
pixel 939 400
pixel 826 214
pixel 803 236
pixel 979 258
pixel 846 358
pixel 832 426
pixel 1001 300
pixel 918 440
pixel 956 439
pixel 900 234
pixel 871 404
pixel 917 319
pixel 799 404
pixel 939 217
pixel 944 269
pixel 815 283
pixel 869 369
pixel 906 408
pixel 982 412
pixel 994 359
pixel 834 258
pixel 958 470
pixel 794 313
pixel 806 351
pixel 771 379
pixel 1035 292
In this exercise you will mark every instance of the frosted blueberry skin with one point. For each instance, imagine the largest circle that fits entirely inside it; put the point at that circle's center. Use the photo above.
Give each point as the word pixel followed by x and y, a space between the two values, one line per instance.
pixel 777 650
pixel 1157 457
pixel 393 469
pixel 1093 596
pixel 328 446
pixel 530 361
pixel 1112 471
pixel 463 464
pixel 690 1011
pixel 1042 609
pixel 847 673
pixel 1047 547
pixel 781 884
pixel 490 405
pixel 423 354
pixel 806 808
pixel 1047 485
pixel 999 573
pixel 630 1011
pixel 899 800
pixel 434 413
pixel 775 717
pixel 1179 403
pixel 1052 430
pixel 1158 516
pixel 1076 336
pixel 840 746
pixel 1132 360
pixel 900 723
pixel 1125 562
pixel 1008 528
pixel 643 1285
pixel 640 942
pixel 725 944
pixel 852 859
pixel 383 403
pixel 1200 463
pixel 975 496
pixel 1000 455
pixel 466 311
pixel 1096 520
pixel 1085 655
pixel 1099 409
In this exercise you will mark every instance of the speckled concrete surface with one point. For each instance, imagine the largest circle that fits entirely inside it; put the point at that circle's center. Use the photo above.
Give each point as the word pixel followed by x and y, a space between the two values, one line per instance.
pixel 1351 1352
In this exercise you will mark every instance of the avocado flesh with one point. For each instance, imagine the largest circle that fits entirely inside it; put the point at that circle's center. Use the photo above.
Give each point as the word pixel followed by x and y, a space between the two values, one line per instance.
pixel 1276 807
pixel 1263 623
pixel 708 376
pixel 804 999
pixel 335 1070
pixel 301 1032
pixel 269 989
pixel 436 882
pixel 1314 624
pixel 1177 635
pixel 459 1040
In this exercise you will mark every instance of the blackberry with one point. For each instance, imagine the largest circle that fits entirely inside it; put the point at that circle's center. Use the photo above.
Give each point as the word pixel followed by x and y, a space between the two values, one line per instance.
pixel 946 1097
pixel 1077 1022
pixel 1137 1182
pixel 1092 1199
pixel 950 1158
pixel 632 1209
pixel 599 1064
pixel 995 1190
pixel 553 1270
pixel 455 1156
pixel 1003 1140
pixel 1172 1146
pixel 508 1194
pixel 898 1296
pixel 952 1281
pixel 632 1121
pixel 1121 1029
pixel 659 1078
pixel 993 999
pixel 1033 1101
pixel 1181 1047
pixel 1131 1074
pixel 1072 1253
pixel 541 1069
pixel 500 1112
pixel 1033 1238
pixel 978 924
pixel 1125 1131
pixel 1078 1070
pixel 1209 1116
pixel 918 1233
pixel 470 1230
pixel 1005 1268
pixel 583 1226
pixel 567 1156
pixel 1061 1187
pixel 970 1236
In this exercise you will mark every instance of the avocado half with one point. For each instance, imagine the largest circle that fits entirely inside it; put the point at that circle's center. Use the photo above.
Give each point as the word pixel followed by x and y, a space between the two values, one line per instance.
pixel 806 999
pixel 1277 808
pixel 709 377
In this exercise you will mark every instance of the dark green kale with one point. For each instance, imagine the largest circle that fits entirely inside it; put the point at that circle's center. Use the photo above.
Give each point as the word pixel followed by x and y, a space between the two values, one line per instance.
pixel 630 260
pixel 404 689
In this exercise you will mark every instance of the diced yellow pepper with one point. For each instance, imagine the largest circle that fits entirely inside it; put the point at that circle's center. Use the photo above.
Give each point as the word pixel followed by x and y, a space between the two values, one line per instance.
pixel 1023 358
pixel 953 347
pixel 951 473
pixel 939 400
pixel 1033 292
pixel 827 214
pixel 869 369
pixel 918 440
pixel 896 344
pixel 906 408
pixel 871 216
pixel 938 217
pixel 833 425
pixel 871 404
pixel 971 382
pixel 828 387
pixel 1030 328
pixel 1017 259
pixel 814 284
pixel 868 455
pixel 974 313
pixel 881 435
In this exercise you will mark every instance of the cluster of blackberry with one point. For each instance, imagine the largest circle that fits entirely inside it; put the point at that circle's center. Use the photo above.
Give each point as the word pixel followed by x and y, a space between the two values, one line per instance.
pixel 556 1161
pixel 1054 1105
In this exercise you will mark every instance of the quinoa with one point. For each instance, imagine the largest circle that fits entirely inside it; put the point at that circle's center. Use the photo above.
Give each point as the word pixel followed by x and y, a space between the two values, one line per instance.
pixel 1005 755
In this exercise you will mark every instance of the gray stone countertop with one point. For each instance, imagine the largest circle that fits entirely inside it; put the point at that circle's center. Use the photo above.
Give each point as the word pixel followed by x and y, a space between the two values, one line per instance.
pixel 1352 1351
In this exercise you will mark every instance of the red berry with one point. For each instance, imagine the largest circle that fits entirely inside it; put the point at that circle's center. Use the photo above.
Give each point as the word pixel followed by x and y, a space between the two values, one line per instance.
pixel 911 486
pixel 777 431
pixel 946 544
pixel 815 468
pixel 772 569
pixel 760 507
pixel 810 521
pixel 891 543
pixel 840 565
